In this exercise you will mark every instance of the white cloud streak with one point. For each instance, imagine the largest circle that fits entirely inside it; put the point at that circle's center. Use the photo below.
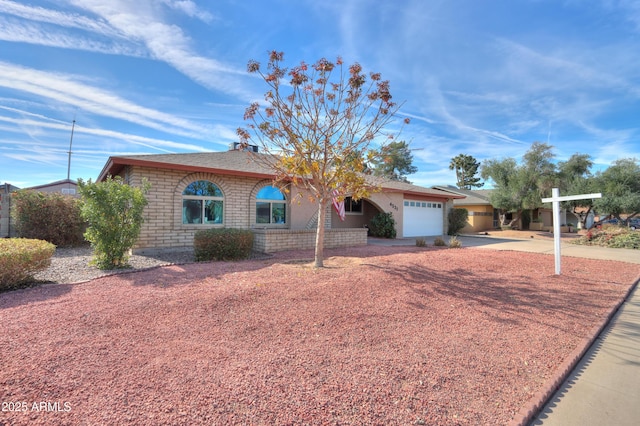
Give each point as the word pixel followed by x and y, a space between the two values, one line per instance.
pixel 141 22
pixel 66 89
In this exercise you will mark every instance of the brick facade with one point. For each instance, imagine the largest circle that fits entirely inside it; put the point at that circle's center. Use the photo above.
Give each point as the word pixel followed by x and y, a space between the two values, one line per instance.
pixel 269 241
pixel 239 176
pixel 163 228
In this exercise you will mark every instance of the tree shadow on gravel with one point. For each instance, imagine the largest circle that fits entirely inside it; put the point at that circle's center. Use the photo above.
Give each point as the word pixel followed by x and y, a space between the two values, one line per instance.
pixel 170 275
pixel 515 300
pixel 188 271
pixel 33 294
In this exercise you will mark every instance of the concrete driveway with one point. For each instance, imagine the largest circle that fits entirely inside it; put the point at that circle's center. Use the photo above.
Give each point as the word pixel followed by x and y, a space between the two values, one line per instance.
pixel 532 245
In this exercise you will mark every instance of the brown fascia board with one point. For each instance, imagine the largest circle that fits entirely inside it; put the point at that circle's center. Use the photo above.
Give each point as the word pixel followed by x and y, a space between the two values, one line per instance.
pixel 116 164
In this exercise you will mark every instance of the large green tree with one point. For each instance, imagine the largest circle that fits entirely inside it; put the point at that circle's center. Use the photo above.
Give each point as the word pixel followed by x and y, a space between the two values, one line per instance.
pixel 466 167
pixel 574 177
pixel 620 188
pixel 393 161
pixel 316 126
pixel 521 186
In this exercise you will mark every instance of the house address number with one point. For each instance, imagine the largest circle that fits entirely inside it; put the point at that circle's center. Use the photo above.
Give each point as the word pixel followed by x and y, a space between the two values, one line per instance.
pixel 393 206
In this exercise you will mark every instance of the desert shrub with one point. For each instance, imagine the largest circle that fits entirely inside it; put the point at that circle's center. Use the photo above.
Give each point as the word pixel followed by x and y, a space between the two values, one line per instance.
pixel 457 220
pixel 21 258
pixel 114 212
pixel 421 242
pixel 222 244
pixel 383 226
pixel 439 242
pixel 611 236
pixel 628 240
pixel 51 217
pixel 454 243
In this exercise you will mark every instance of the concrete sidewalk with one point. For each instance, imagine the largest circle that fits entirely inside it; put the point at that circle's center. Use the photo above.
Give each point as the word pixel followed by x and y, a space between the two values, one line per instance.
pixel 603 387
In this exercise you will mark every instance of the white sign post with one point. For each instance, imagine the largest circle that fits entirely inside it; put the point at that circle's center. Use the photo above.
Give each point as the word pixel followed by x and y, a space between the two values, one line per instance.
pixel 555 200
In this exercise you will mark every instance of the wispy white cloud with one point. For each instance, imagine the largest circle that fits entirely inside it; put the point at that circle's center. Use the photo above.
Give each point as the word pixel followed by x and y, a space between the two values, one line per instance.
pixel 124 28
pixel 189 8
pixel 141 22
pixel 153 143
pixel 55 17
pixel 24 32
pixel 91 98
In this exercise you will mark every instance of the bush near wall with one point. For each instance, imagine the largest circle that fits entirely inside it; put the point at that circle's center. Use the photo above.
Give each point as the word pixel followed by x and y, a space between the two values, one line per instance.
pixel 222 244
pixel 21 258
pixel 383 225
pixel 457 220
pixel 48 216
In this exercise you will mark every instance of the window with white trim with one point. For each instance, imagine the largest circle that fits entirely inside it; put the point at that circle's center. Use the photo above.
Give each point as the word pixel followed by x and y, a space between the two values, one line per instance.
pixel 351 206
pixel 202 203
pixel 271 206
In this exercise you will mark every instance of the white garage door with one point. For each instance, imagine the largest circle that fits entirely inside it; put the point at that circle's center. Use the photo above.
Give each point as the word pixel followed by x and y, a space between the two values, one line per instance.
pixel 422 218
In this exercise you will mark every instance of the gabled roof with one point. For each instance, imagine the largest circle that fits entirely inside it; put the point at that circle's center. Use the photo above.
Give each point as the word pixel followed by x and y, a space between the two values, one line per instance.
pixel 239 163
pixel 473 196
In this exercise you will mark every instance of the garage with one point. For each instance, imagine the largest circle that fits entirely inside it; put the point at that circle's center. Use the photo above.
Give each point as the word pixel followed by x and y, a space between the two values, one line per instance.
pixel 422 218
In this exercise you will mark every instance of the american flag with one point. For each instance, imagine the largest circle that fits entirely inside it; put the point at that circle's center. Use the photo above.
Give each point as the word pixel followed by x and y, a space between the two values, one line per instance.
pixel 338 205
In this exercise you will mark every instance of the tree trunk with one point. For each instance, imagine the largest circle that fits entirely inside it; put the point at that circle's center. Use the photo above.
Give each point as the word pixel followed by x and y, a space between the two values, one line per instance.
pixel 582 216
pixel 319 257
pixel 515 219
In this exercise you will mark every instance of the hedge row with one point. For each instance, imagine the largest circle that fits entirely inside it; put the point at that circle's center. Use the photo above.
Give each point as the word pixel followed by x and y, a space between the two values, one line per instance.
pixel 48 216
pixel 222 244
pixel 21 258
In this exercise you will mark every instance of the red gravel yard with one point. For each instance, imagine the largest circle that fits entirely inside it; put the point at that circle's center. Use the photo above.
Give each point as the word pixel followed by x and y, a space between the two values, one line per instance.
pixel 382 335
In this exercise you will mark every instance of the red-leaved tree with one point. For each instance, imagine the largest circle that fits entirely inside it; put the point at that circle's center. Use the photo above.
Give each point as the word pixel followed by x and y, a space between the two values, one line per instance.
pixel 316 127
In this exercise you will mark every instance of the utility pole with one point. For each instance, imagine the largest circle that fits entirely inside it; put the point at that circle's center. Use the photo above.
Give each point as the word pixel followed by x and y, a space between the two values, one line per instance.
pixel 73 125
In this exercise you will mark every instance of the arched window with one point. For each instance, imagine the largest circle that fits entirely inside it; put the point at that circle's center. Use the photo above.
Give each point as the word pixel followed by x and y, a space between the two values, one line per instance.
pixel 271 206
pixel 202 203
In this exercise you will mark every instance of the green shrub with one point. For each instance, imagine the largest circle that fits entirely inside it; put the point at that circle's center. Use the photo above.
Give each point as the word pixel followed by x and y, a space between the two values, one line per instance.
pixel 383 226
pixel 114 212
pixel 439 242
pixel 222 244
pixel 421 242
pixel 51 217
pixel 457 220
pixel 454 243
pixel 21 258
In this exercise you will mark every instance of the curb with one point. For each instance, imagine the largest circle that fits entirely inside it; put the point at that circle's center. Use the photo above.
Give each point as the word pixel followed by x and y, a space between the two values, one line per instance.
pixel 540 399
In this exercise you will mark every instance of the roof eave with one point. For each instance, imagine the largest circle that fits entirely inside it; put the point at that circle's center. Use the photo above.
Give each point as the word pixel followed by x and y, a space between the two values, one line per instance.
pixel 115 165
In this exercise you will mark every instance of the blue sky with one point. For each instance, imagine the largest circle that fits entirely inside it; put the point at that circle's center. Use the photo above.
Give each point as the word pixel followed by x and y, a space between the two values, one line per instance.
pixel 483 78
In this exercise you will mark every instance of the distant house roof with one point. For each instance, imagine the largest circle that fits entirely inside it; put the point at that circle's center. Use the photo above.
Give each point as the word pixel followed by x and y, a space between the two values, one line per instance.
pixel 6 188
pixel 56 183
pixel 473 196
pixel 239 163
pixel 410 189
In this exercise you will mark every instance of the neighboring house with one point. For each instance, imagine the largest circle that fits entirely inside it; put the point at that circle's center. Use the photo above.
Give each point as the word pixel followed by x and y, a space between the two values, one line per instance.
pixel 196 191
pixel 65 187
pixel 6 227
pixel 482 215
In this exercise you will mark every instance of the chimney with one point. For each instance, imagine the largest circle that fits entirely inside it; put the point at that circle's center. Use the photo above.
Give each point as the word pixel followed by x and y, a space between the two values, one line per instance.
pixel 237 146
